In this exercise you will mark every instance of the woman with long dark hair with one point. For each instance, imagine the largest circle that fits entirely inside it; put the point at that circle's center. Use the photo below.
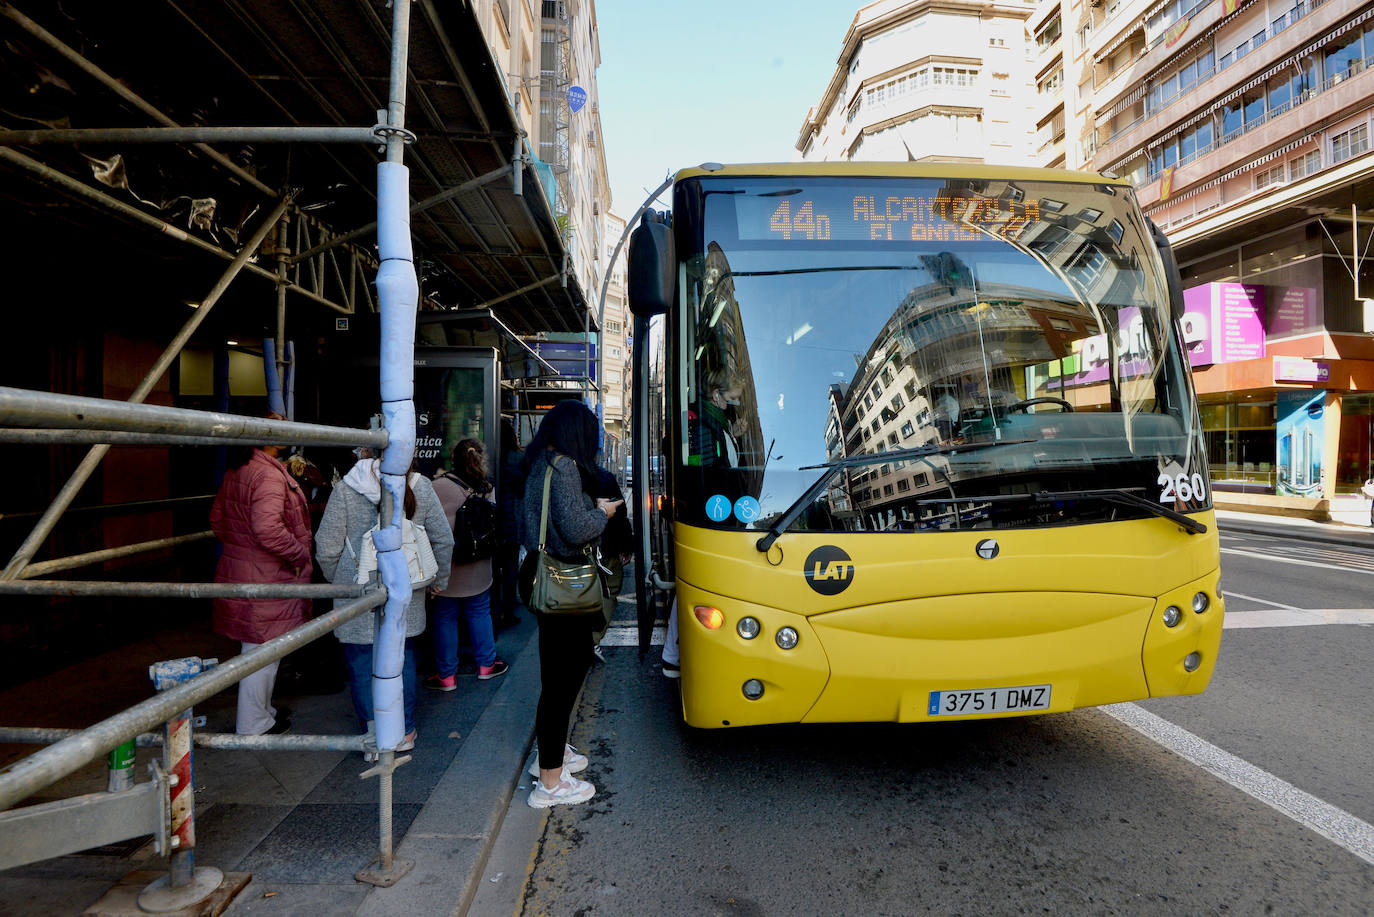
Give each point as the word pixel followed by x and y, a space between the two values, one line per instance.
pixel 567 442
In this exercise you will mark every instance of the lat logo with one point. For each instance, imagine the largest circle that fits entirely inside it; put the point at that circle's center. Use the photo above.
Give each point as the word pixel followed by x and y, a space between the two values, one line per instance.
pixel 828 570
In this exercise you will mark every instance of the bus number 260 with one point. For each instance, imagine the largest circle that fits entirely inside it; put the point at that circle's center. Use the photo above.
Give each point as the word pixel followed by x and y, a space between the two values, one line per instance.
pixel 1183 487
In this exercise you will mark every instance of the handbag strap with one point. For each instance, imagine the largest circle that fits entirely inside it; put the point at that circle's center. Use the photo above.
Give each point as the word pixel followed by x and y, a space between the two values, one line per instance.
pixel 544 511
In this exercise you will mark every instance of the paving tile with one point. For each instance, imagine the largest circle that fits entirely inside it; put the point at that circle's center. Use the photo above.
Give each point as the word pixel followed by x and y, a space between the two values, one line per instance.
pixel 323 844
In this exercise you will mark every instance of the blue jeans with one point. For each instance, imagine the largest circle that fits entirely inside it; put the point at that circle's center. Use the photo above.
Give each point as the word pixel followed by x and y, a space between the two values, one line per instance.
pixel 476 609
pixel 359 656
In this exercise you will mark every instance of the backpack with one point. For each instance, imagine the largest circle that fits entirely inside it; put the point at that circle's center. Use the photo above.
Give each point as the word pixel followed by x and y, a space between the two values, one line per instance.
pixel 474 526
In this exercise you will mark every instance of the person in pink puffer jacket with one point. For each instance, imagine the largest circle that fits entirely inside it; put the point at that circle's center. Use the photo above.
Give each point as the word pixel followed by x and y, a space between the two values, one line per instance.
pixel 260 517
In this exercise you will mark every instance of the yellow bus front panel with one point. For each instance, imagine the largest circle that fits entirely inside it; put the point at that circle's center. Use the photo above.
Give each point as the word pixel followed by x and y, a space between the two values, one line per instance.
pixel 924 613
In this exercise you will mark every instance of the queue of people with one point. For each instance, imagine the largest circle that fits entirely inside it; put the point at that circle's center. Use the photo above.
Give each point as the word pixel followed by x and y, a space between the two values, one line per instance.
pixel 262 519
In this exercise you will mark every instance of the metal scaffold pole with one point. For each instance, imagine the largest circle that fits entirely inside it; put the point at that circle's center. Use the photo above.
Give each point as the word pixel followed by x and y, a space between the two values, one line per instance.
pixel 398 296
pixel 88 465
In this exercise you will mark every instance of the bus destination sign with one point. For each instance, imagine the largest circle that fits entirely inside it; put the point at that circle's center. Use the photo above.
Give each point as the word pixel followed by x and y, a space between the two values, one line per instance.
pixel 884 218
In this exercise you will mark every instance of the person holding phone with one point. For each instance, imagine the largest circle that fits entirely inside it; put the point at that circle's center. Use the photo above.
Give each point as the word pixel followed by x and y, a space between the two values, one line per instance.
pixel 567 442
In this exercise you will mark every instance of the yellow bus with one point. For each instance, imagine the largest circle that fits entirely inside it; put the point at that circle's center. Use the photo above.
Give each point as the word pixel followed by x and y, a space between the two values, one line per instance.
pixel 918 442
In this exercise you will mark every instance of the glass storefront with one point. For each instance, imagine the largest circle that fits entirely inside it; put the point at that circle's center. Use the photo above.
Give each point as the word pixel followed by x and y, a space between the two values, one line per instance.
pixel 1241 447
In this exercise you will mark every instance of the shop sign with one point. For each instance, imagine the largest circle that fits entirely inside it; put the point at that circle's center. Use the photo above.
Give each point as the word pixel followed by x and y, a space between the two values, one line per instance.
pixel 1223 323
pixel 1296 369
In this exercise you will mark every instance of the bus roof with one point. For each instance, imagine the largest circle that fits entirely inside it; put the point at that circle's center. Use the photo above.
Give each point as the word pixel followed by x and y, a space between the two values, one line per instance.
pixel 899 170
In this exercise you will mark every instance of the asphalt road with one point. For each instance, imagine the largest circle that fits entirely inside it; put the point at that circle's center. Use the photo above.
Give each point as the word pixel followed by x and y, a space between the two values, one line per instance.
pixel 1255 798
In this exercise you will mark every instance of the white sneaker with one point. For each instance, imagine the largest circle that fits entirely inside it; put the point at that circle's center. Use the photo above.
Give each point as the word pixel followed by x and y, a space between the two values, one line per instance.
pixel 572 761
pixel 569 792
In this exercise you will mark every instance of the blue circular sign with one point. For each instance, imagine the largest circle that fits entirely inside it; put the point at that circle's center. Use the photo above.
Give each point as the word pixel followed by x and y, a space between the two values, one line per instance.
pixel 718 507
pixel 747 509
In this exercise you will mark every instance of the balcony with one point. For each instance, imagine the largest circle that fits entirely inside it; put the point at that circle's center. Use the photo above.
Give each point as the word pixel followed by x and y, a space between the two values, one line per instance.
pixel 1330 100
pixel 1129 136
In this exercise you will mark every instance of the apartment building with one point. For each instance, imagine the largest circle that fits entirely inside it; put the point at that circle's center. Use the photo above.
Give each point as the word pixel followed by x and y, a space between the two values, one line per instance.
pixel 547 52
pixel 924 80
pixel 616 339
pixel 1244 125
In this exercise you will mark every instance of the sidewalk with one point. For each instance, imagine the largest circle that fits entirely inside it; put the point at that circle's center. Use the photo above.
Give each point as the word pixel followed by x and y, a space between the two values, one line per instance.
pixel 302 823
pixel 1352 529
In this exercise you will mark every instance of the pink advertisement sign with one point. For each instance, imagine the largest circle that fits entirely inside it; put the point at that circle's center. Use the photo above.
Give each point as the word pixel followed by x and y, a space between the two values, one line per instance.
pixel 1223 323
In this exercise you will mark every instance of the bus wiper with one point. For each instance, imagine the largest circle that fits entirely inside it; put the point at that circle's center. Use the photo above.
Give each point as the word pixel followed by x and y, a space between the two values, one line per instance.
pixel 832 468
pixel 1126 496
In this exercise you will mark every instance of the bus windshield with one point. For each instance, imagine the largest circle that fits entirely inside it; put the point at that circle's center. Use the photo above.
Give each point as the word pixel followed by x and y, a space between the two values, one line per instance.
pixel 832 320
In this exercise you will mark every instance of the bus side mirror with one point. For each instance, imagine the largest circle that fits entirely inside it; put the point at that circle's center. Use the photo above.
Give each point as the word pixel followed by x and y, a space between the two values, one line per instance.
pixel 651 267
pixel 1171 274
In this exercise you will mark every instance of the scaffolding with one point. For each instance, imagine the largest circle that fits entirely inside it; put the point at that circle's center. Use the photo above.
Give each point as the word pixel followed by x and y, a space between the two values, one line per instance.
pixel 301 256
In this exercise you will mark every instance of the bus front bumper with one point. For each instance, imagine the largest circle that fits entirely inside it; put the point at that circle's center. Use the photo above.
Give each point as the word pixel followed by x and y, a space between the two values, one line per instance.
pixel 912 660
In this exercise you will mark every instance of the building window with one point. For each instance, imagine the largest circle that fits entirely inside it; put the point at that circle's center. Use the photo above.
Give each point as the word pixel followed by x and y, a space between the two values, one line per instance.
pixel 876 390
pixel 877 422
pixel 1088 263
pixel 903 485
pixel 614 352
pixel 1349 143
pixel 1304 165
pixel 922 479
pixel 613 327
pixel 1269 177
pixel 908 430
pixel 911 391
pixel 887 490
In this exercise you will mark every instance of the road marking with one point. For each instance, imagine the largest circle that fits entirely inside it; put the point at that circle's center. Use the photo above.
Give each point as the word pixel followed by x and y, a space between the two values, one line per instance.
pixel 628 635
pixel 1297 617
pixel 1336 825
pixel 1250 598
pixel 1293 560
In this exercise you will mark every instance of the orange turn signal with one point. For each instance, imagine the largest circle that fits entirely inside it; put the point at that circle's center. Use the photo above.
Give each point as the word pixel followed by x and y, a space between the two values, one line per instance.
pixel 710 618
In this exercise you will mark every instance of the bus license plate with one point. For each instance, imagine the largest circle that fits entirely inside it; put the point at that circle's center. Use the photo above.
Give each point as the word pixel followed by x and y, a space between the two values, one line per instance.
pixel 989 700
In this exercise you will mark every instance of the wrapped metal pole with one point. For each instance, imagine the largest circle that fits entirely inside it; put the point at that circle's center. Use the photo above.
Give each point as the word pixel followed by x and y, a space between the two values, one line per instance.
pixel 398 297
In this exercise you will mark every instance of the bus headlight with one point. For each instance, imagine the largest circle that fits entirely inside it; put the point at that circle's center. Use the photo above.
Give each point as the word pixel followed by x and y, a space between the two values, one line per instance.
pixel 786 637
pixel 748 628
pixel 1201 603
pixel 1191 662
pixel 710 618
pixel 1172 616
pixel 753 689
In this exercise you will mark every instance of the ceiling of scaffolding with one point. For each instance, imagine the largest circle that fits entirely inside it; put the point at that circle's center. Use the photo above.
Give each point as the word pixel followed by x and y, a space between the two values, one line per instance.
pixel 83 64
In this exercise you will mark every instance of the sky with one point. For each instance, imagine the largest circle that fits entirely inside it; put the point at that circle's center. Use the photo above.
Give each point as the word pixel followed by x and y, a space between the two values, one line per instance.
pixel 681 83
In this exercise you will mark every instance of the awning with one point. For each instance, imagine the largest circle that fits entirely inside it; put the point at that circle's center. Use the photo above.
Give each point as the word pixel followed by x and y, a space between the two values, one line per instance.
pixel 326 63
pixel 1125 36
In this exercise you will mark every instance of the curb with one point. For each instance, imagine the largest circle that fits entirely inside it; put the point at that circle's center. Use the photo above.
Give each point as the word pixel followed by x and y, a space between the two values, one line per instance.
pixel 452 837
pixel 1355 538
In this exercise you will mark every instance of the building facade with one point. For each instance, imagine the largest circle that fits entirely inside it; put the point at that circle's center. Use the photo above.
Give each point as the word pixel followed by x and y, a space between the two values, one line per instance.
pixel 1244 125
pixel 616 339
pixel 928 80
pixel 549 51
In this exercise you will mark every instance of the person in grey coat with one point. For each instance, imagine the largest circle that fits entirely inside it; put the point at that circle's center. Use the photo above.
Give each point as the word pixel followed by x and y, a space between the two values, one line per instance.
pixel 350 513
pixel 567 442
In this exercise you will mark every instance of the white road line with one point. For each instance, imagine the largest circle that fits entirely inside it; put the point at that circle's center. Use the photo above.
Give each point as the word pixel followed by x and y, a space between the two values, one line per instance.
pixel 1293 560
pixel 628 635
pixel 1250 598
pixel 1336 825
pixel 1297 617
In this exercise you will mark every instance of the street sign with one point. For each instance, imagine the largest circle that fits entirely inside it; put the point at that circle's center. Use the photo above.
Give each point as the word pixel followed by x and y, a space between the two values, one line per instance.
pixel 577 97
